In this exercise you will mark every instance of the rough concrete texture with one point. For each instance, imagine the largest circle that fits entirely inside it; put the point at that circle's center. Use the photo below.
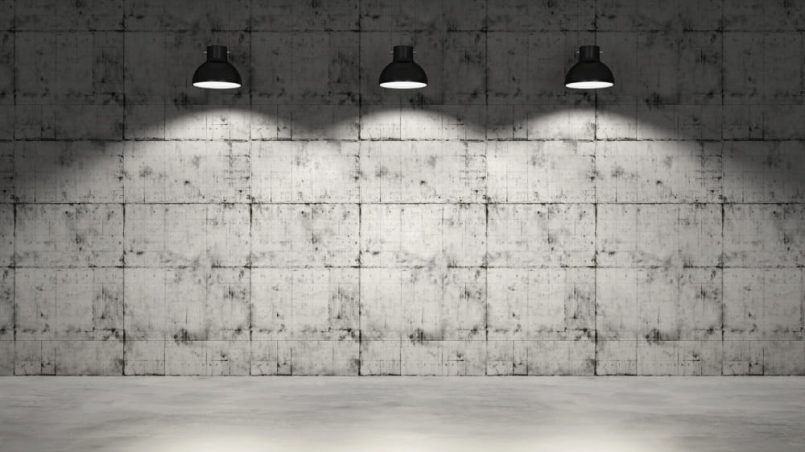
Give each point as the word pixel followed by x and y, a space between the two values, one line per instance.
pixel 493 223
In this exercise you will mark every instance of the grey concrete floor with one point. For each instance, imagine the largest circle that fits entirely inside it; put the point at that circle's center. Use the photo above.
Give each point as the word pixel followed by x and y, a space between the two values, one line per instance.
pixel 402 414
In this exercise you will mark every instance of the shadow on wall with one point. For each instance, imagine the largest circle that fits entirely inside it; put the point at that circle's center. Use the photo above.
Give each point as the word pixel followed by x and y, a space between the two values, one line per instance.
pixel 641 225
pixel 649 203
pixel 754 171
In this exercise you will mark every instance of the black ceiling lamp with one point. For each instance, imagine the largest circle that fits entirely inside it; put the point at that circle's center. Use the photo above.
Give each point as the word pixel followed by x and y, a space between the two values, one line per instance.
pixel 402 72
pixel 589 72
pixel 217 72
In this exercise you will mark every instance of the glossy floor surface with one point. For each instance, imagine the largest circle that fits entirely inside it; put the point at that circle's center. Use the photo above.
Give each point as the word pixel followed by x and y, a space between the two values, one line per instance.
pixel 402 414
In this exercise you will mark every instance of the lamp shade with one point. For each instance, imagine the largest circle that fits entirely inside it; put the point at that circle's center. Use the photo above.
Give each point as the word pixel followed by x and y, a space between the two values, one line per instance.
pixel 217 72
pixel 589 72
pixel 403 72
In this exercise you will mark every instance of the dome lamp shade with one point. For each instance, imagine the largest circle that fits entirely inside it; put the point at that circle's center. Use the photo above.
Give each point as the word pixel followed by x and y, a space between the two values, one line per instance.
pixel 217 72
pixel 589 72
pixel 403 72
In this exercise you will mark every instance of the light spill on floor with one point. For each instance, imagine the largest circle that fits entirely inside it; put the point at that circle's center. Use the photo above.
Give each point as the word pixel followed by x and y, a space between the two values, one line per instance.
pixel 402 414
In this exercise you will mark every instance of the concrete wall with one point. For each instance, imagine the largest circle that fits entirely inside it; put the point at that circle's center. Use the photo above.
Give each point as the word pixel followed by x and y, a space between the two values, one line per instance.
pixel 491 224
